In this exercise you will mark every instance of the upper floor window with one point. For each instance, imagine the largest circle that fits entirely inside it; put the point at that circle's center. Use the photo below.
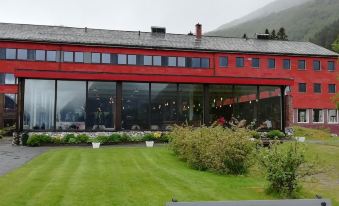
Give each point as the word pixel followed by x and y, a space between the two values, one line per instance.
pixel 255 62
pixel 172 61
pixel 157 60
pixel 271 63
pixel 10 53
pixel 51 56
pixel 68 56
pixel 148 60
pixel 302 87
pixel 301 64
pixel 22 54
pixel 79 57
pixel 106 58
pixel 223 61
pixel 287 64
pixel 40 55
pixel 196 62
pixel 2 53
pixel 132 59
pixel 316 65
pixel 96 58
pixel 317 88
pixel 332 116
pixel 205 62
pixel 331 88
pixel 181 62
pixel 240 61
pixel 331 66
pixel 122 58
pixel 7 78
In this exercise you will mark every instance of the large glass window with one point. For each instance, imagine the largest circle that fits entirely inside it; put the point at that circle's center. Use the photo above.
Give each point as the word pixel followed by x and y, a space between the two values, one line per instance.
pixel 172 61
pixel 148 60
pixel 96 58
pixel 301 64
pixel 331 66
pixel 245 101
pixel 40 55
pixel 318 116
pixel 52 56
pixel 205 63
pixel 181 62
pixel 240 62
pixel 157 60
pixel 70 108
pixel 316 65
pixel 287 64
pixel 101 105
pixel 122 59
pixel 39 104
pixel 221 102
pixel 269 107
pixel 223 61
pixel 106 58
pixel 22 54
pixel 302 116
pixel 135 106
pixel 132 59
pixel 163 105
pixel 79 57
pixel 68 56
pixel 332 116
pixel 190 104
pixel 196 62
pixel 10 53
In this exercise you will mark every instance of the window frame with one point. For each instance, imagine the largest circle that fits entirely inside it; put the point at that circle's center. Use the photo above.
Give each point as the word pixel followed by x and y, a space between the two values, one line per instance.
pixel 299 87
pixel 225 58
pixel 15 54
pixel 289 64
pixel 328 66
pixel 242 60
pixel 323 115
pixel 47 55
pixel 314 88
pixel 44 55
pixel 22 59
pixel 255 67
pixel 75 57
pixel 305 66
pixel 96 53
pixel 307 116
pixel 335 88
pixel 328 116
pixel 70 52
pixel 269 61
pixel 313 65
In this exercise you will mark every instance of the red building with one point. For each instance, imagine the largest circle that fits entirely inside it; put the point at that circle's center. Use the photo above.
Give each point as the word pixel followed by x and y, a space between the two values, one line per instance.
pixel 62 78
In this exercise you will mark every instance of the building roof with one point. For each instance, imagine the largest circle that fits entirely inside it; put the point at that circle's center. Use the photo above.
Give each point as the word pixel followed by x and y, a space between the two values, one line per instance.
pixel 71 35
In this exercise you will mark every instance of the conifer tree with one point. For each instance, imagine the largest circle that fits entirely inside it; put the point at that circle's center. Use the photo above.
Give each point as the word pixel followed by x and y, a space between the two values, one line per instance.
pixel 273 35
pixel 282 34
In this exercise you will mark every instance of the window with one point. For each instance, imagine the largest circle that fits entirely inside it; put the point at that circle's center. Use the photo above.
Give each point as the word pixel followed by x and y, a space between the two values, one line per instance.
pixel 164 61
pixel 10 79
pixel 40 55
pixel 331 66
pixel 181 62
pixel 190 104
pixel 316 65
pixel 10 102
pixel 301 64
pixel 317 88
pixel 2 53
pixel 240 62
pixel 302 116
pixel 96 58
pixel 10 53
pixel 68 56
pixel 172 61
pixel 51 56
pixel 269 103
pixel 223 61
pixel 318 116
pixel 287 64
pixel 79 57
pixel 205 63
pixel 255 62
pixel 148 60
pixel 122 58
pixel 331 88
pixel 22 54
pixel 140 60
pixel 271 63
pixel 196 62
pixel 302 87
pixel 132 59
pixel 106 58
pixel 157 60
pixel 332 116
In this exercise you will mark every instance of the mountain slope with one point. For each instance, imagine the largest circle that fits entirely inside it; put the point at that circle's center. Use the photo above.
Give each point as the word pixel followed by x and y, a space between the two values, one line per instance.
pixel 301 22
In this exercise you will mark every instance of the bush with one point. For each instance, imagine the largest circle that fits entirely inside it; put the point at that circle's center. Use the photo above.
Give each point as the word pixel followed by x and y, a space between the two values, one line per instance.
pixel 37 140
pixel 81 138
pixel 275 134
pixel 24 138
pixel 115 137
pixel 217 149
pixel 68 138
pixel 149 137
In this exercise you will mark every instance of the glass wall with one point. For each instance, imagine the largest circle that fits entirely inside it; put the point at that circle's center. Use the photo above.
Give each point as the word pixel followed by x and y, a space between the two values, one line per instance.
pixel 190 104
pixel 70 108
pixel 101 105
pixel 269 115
pixel 135 106
pixel 245 103
pixel 221 102
pixel 163 106
pixel 39 104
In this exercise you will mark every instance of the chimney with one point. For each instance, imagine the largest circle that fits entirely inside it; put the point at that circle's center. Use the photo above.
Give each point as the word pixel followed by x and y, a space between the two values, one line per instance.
pixel 198 31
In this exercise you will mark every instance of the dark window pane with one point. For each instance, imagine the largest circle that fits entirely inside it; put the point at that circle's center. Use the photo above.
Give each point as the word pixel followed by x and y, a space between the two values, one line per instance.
pixel 2 78
pixel 196 62
pixel 10 53
pixel 205 63
pixel 39 104
pixel 172 61
pixel 101 105
pixel 157 60
pixel 181 62
pixel 221 102
pixel 302 115
pixel 302 64
pixel 132 59
pixel 148 60
pixel 22 54
pixel 269 114
pixel 271 63
pixel 256 62
pixel 223 61
pixel 240 62
pixel 9 79
pixel 68 56
pixel 245 99
pixel 316 88
pixel 140 60
pixel 79 57
pixel 287 64
pixel 96 58
pixel 332 88
pixel 302 87
pixel 70 108
pixel 190 104
pixel 122 59
pixel 316 65
pixel 10 102
pixel 2 53
pixel 318 115
pixel 135 106
pixel 31 55
pixel 106 58
pixel 164 61
pixel 331 66
pixel 51 56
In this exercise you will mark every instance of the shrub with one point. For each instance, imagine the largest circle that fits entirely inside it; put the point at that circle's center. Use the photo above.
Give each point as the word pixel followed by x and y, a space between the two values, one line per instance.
pixel 68 138
pixel 38 139
pixel 275 134
pixel 149 137
pixel 124 138
pixel 57 139
pixel 24 138
pixel 218 149
pixel 81 138
pixel 115 137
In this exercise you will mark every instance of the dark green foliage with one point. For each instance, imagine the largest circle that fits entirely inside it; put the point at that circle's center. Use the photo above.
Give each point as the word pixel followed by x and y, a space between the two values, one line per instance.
pixel 24 138
pixel 327 36
pixel 281 35
pixel 335 45
pixel 267 31
pixel 69 138
pixel 273 35
pixel 82 138
pixel 37 140
pixel 149 137
pixel 275 134
pixel 115 137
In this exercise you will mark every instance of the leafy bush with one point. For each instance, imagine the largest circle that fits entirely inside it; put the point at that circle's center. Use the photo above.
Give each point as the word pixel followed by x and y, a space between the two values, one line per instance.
pixel 37 140
pixel 68 138
pixel 115 137
pixel 24 138
pixel 81 138
pixel 149 137
pixel 218 149
pixel 275 134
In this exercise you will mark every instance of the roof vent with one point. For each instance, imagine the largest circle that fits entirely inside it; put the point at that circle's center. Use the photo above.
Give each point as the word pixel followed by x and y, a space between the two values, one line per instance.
pixel 263 36
pixel 158 30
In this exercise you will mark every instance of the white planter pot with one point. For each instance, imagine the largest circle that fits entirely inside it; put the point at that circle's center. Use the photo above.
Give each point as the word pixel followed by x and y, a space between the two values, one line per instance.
pixel 96 145
pixel 300 139
pixel 149 143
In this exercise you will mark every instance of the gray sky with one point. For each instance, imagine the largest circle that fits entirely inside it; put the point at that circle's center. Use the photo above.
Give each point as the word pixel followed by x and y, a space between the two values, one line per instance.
pixel 178 16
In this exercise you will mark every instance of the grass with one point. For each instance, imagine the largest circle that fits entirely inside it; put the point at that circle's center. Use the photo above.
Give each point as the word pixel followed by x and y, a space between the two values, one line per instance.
pixel 119 176
pixel 312 134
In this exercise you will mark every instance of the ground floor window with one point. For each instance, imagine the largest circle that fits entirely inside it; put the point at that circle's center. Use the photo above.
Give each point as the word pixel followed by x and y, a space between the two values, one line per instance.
pixel 332 116
pixel 302 116
pixel 190 101
pixel 318 116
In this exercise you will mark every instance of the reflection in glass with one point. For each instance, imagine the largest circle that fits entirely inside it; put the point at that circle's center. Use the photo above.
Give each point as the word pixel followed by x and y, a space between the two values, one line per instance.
pixel 9 79
pixel 190 104
pixel 269 114
pixel 221 102
pixel 101 105
pixel 70 110
pixel 51 56
pixel 39 104
pixel 135 106
pixel 246 100
pixel 10 53
pixel 22 54
pixel 163 105
pixel 40 55
pixel 10 102
pixel 147 60
pixel 68 56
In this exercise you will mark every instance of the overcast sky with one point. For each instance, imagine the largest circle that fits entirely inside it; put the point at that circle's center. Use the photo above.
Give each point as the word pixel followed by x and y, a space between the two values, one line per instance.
pixel 178 16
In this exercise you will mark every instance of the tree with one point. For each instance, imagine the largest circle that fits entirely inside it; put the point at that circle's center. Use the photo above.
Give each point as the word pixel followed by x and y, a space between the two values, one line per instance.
pixel 282 34
pixel 267 31
pixel 244 36
pixel 335 45
pixel 273 35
